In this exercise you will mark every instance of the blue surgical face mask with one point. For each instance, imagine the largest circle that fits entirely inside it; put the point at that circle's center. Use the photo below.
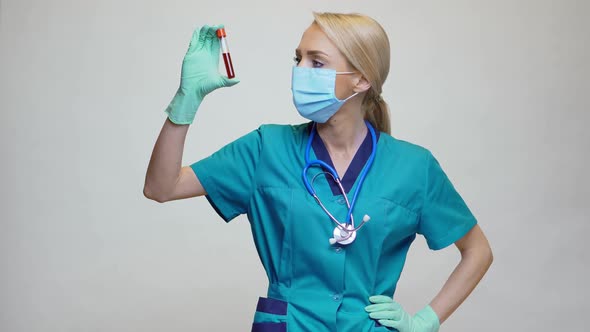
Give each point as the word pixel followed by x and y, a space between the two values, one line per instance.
pixel 314 93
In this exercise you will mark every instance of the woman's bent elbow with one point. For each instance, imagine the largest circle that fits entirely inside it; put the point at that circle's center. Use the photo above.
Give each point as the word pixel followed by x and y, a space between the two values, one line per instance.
pixel 149 194
pixel 490 256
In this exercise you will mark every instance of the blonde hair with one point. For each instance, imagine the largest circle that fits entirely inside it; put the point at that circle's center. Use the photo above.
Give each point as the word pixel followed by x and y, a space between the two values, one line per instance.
pixel 365 45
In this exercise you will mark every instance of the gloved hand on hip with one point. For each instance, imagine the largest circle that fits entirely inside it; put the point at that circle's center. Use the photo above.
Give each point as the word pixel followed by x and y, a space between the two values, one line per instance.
pixel 200 75
pixel 391 314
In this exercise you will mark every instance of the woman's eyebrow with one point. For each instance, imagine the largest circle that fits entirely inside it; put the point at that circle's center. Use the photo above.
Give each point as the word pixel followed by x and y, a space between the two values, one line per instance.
pixel 312 52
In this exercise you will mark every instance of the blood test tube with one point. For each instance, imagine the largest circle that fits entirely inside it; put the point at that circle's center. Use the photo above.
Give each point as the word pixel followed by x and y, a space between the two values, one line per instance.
pixel 229 67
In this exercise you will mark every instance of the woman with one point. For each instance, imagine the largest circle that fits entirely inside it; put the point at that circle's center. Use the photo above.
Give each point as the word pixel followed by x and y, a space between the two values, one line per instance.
pixel 325 276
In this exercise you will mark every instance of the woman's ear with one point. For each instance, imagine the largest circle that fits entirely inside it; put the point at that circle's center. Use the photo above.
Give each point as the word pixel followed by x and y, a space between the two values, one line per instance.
pixel 362 85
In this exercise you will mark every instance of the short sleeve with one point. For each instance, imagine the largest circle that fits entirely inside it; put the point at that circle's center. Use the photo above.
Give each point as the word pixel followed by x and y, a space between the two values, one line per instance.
pixel 445 218
pixel 228 175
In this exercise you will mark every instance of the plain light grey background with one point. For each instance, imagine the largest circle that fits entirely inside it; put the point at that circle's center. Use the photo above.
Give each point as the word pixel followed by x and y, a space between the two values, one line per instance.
pixel 497 90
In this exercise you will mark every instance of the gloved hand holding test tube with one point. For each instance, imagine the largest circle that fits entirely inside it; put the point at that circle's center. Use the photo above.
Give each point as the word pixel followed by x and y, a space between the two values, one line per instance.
pixel 200 73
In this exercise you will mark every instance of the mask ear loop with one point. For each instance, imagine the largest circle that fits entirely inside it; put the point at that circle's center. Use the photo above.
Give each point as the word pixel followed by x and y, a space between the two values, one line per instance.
pixel 347 73
pixel 356 93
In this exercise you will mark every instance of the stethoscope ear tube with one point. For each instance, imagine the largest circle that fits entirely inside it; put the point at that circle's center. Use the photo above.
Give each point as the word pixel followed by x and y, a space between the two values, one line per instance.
pixel 322 164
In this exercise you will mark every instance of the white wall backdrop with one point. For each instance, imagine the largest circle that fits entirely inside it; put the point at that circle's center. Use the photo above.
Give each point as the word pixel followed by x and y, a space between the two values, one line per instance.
pixel 497 90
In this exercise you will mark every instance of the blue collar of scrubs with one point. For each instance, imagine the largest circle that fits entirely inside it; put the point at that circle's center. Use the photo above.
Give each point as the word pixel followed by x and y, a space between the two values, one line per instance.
pixel 344 233
pixel 356 165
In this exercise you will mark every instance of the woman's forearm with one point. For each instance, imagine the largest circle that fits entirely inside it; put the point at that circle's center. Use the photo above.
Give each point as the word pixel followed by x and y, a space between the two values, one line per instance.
pixel 475 261
pixel 166 161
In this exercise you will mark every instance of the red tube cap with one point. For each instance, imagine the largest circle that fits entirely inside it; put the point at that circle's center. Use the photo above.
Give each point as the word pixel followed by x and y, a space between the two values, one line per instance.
pixel 221 33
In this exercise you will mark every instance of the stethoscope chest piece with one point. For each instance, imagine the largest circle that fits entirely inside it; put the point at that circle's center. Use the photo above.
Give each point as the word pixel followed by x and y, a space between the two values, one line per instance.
pixel 343 236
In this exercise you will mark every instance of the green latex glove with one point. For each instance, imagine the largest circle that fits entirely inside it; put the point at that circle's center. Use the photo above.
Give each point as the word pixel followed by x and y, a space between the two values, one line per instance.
pixel 390 314
pixel 200 75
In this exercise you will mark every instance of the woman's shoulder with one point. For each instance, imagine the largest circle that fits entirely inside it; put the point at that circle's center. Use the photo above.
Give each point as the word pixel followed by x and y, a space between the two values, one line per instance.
pixel 276 128
pixel 401 146
pixel 273 132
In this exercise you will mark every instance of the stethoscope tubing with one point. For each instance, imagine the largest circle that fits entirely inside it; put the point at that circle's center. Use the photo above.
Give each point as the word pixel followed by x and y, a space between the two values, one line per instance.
pixel 340 226
pixel 350 204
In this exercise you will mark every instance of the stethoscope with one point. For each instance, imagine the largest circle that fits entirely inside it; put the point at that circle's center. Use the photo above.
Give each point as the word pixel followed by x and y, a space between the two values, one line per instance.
pixel 344 233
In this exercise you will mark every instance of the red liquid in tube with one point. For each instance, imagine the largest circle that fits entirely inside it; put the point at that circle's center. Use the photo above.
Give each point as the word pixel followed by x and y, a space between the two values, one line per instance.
pixel 229 66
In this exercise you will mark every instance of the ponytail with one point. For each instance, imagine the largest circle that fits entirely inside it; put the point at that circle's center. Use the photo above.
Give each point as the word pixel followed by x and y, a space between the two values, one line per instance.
pixel 377 112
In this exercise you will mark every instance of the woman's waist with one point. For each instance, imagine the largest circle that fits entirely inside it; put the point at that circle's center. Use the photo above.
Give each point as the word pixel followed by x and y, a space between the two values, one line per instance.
pixel 345 300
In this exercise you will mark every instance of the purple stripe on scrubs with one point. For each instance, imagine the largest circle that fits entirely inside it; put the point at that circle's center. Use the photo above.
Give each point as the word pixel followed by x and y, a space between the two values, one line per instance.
pixel 271 306
pixel 269 327
pixel 355 167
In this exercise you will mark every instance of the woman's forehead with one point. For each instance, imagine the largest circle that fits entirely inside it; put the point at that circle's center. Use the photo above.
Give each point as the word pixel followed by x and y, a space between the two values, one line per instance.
pixel 314 39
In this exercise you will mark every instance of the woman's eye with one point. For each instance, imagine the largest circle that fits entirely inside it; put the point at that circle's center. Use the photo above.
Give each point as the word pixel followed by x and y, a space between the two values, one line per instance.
pixel 314 63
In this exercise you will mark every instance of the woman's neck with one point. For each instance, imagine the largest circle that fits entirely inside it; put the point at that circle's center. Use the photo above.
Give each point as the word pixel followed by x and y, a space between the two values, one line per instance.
pixel 343 133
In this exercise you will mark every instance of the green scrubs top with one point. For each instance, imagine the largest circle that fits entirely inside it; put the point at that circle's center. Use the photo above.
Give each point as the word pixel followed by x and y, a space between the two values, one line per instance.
pixel 315 286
